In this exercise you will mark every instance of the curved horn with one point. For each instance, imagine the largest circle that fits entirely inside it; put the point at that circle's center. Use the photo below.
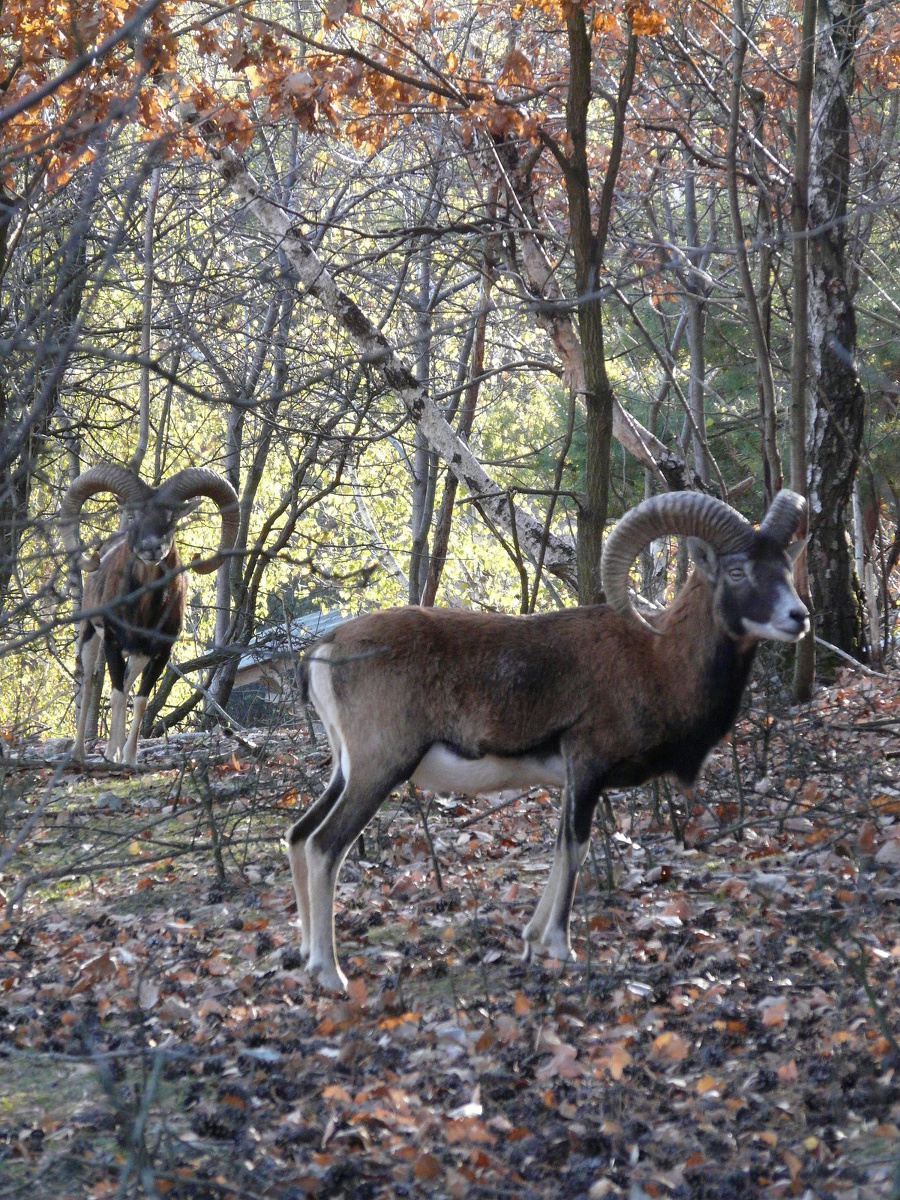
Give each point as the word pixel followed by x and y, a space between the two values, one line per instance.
pixel 104 477
pixel 785 514
pixel 201 481
pixel 690 513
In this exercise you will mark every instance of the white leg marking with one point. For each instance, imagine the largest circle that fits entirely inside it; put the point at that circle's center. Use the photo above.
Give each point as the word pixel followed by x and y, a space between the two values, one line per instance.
pixel 118 718
pixel 321 881
pixel 117 705
pixel 297 858
pixel 313 883
pixel 90 658
pixel 549 927
pixel 130 755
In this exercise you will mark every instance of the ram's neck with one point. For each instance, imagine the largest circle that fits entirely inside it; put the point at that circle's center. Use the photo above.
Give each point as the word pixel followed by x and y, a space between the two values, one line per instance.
pixel 705 672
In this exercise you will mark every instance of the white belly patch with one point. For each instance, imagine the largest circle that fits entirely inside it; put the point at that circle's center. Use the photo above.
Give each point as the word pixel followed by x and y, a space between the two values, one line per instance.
pixel 443 770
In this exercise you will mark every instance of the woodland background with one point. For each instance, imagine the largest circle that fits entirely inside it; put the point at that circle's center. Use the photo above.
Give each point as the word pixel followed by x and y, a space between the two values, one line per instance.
pixel 443 291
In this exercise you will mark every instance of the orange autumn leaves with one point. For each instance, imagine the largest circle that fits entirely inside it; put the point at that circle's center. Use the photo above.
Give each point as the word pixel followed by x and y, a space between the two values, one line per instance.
pixel 365 71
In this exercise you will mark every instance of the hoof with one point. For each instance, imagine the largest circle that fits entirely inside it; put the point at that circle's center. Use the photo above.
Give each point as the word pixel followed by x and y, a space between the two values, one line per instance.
pixel 332 979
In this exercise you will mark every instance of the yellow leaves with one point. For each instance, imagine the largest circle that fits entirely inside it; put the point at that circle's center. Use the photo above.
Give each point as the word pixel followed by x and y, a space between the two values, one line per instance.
pixel 604 22
pixel 516 70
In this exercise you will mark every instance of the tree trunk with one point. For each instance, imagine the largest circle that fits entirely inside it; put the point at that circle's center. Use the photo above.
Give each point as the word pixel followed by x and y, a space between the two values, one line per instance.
pixel 836 399
pixel 422 491
pixel 588 247
pixel 805 660
pixel 765 377
pixel 475 354
pixel 695 296
pixel 552 314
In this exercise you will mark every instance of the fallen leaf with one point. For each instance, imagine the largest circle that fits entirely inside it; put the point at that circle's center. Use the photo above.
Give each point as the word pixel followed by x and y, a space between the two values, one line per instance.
pixel 671 1046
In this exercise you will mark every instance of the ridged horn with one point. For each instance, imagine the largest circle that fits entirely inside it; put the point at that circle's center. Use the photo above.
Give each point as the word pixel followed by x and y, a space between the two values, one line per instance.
pixel 201 481
pixel 691 514
pixel 104 477
pixel 785 514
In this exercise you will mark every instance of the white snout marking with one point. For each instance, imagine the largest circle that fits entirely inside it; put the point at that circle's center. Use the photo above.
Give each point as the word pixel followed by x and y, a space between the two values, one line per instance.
pixel 443 770
pixel 770 632
pixel 782 625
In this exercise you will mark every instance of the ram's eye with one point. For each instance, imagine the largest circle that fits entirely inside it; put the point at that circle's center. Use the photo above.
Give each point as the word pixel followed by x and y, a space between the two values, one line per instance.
pixel 737 574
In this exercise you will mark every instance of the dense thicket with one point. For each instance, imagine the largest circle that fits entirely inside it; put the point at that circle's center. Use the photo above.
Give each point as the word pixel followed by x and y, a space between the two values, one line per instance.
pixel 441 292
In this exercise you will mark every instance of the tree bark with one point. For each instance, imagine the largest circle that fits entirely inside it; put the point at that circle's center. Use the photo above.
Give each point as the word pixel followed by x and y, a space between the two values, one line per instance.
pixel 588 245
pixel 836 399
pixel 444 521
pixel 751 301
pixel 805 659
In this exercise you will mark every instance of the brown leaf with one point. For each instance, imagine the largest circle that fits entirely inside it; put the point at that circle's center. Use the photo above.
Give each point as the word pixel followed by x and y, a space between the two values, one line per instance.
pixel 773 1010
pixel 428 1166
pixel 95 970
pixel 357 991
pixel 793 1163
pixel 468 1129
pixel 787 1072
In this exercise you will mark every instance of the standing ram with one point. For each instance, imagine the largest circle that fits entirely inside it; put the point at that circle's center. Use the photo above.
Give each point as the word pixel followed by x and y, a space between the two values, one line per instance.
pixel 583 699
pixel 135 591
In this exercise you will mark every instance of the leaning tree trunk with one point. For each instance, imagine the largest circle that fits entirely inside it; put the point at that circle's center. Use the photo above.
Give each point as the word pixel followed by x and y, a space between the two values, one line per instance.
pixel 836 399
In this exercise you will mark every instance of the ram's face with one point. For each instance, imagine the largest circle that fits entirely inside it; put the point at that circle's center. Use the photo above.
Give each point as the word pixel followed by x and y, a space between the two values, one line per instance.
pixel 151 535
pixel 754 591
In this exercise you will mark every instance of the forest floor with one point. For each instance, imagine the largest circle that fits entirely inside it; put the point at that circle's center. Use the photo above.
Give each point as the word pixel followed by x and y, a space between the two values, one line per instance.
pixel 730 1031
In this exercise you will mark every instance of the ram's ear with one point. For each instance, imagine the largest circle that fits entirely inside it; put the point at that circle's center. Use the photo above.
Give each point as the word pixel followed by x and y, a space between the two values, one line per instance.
pixel 795 549
pixel 704 558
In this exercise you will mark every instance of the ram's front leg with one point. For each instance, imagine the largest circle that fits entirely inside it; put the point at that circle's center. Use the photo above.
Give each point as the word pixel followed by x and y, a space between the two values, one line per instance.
pixel 152 669
pixel 548 929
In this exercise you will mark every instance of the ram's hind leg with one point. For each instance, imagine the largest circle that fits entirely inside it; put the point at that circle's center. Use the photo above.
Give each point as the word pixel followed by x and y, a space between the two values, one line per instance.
pixel 295 841
pixel 548 929
pixel 326 847
pixel 90 653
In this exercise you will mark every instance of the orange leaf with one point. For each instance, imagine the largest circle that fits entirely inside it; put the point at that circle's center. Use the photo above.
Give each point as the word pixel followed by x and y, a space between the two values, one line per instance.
pixel 671 1045
pixel 468 1129
pixel 357 991
pixel 793 1163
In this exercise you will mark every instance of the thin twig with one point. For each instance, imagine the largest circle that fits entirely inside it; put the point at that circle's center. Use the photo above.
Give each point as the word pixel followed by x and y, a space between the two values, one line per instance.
pixel 850 659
